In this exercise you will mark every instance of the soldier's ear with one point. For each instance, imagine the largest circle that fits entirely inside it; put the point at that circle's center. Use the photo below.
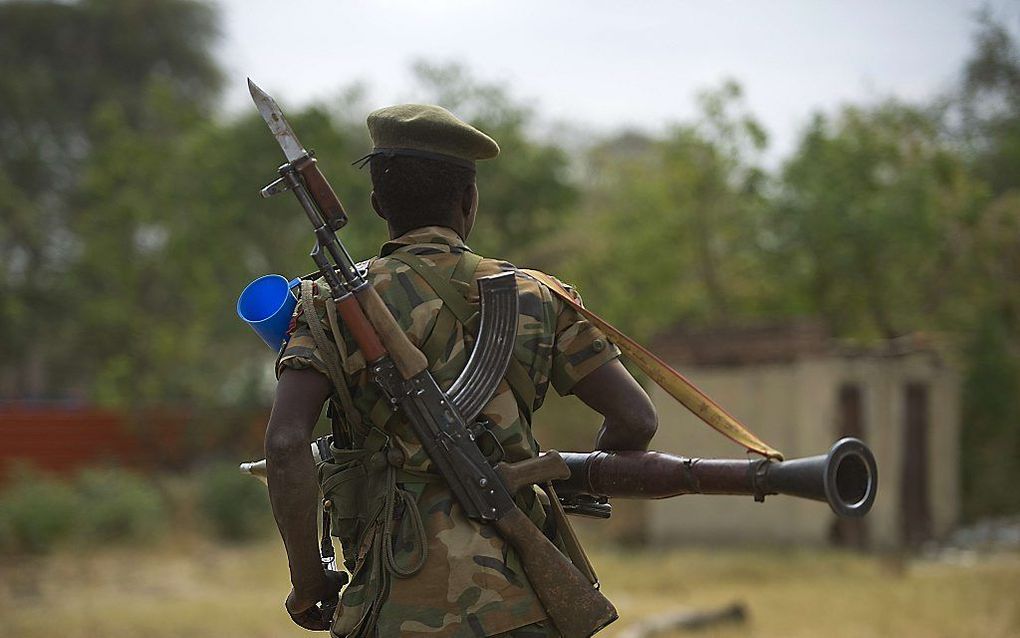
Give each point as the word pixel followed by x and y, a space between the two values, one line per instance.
pixel 376 206
pixel 469 207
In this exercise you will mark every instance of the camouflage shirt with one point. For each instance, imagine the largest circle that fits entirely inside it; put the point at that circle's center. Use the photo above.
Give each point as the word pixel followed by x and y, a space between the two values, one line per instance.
pixel 472 583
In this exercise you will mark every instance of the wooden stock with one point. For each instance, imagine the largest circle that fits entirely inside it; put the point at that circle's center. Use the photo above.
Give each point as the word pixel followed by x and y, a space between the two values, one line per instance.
pixel 408 359
pixel 574 605
pixel 322 193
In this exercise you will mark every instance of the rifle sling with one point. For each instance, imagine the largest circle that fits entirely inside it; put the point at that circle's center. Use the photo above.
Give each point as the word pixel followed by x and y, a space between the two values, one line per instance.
pixel 670 380
pixel 330 357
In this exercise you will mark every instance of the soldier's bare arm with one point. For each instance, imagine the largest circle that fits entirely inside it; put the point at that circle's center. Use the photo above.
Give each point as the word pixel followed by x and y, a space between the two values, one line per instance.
pixel 630 419
pixel 293 487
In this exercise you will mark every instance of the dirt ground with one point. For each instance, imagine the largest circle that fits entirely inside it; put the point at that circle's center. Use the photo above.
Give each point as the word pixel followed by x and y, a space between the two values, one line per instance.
pixel 197 589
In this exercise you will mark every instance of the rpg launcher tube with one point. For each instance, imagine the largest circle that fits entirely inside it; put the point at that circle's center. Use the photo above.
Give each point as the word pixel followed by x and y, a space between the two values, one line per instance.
pixel 846 478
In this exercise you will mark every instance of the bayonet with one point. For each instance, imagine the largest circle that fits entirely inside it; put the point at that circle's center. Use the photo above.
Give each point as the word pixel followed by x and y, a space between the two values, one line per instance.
pixel 278 125
pixel 299 160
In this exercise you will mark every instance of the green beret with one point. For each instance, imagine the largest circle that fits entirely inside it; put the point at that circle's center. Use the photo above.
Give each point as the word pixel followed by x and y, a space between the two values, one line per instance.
pixel 425 130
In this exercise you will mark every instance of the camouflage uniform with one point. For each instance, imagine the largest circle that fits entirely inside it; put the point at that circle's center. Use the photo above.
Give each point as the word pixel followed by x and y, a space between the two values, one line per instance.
pixel 471 583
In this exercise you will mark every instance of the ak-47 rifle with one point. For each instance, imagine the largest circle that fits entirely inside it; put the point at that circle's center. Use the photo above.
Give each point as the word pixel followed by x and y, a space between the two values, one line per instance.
pixel 441 420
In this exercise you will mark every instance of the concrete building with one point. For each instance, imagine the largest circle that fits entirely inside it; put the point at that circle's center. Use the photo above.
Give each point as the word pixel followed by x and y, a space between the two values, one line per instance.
pixel 799 390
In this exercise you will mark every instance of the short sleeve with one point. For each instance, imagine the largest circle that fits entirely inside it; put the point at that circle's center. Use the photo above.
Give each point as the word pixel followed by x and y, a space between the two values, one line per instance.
pixel 300 352
pixel 580 348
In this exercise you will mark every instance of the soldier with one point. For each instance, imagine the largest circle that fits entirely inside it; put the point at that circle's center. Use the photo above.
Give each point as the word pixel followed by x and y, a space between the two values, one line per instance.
pixel 417 564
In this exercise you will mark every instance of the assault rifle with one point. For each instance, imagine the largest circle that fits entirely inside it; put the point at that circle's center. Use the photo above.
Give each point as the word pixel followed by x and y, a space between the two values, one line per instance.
pixel 442 421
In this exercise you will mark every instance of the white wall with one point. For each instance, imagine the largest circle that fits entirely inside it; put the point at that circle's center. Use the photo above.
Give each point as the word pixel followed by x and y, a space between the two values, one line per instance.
pixel 792 406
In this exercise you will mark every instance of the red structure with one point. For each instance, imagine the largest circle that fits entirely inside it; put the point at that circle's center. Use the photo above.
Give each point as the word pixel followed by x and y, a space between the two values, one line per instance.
pixel 63 440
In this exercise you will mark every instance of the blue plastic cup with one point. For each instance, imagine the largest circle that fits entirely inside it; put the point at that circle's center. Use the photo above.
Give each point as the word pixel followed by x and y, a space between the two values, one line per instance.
pixel 266 305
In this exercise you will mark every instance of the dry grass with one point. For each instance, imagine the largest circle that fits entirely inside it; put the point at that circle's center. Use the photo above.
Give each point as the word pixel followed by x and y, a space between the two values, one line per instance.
pixel 809 593
pixel 195 589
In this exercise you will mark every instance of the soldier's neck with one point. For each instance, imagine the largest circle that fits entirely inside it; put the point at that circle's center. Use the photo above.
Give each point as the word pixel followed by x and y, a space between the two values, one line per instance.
pixel 452 224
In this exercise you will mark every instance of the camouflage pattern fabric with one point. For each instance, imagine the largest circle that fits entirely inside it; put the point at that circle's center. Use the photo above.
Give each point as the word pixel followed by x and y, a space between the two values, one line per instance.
pixel 472 583
pixel 544 629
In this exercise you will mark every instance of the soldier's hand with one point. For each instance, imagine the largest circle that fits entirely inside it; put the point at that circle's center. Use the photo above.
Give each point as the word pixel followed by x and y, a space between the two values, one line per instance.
pixel 314 610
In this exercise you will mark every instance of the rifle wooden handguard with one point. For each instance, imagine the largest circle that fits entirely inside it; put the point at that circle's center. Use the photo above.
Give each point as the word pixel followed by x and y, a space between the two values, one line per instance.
pixel 361 328
pixel 409 360
pixel 323 194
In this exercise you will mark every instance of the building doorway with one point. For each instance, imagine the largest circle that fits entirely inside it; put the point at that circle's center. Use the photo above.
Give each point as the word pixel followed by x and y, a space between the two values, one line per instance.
pixel 849 532
pixel 915 506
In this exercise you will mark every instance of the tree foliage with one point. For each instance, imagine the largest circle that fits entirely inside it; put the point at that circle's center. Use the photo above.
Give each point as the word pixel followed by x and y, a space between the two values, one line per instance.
pixel 989 102
pixel 874 217
pixel 67 71
pixel 674 222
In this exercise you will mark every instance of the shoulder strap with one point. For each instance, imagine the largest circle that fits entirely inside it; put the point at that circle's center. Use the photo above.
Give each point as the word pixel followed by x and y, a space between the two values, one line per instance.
pixel 516 376
pixel 455 301
pixel 464 273
pixel 329 355
pixel 674 383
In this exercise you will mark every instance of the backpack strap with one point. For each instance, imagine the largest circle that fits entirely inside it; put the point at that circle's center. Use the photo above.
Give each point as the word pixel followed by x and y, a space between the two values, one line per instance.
pixel 458 305
pixel 465 313
pixel 464 272
pixel 331 353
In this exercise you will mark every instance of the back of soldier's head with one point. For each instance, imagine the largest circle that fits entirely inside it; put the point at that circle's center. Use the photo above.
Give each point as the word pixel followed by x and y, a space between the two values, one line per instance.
pixel 417 191
pixel 423 163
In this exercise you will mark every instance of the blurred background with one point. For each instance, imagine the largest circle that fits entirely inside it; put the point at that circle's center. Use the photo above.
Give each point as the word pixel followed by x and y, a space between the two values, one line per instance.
pixel 812 209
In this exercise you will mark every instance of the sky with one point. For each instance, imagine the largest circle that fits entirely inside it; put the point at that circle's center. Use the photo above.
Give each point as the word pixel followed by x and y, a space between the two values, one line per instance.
pixel 605 66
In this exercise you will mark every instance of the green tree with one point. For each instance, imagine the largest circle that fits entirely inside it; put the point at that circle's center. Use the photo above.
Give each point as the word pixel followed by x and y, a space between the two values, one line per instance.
pixel 989 105
pixel 674 222
pixel 871 221
pixel 62 65
pixel 990 437
pixel 887 223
